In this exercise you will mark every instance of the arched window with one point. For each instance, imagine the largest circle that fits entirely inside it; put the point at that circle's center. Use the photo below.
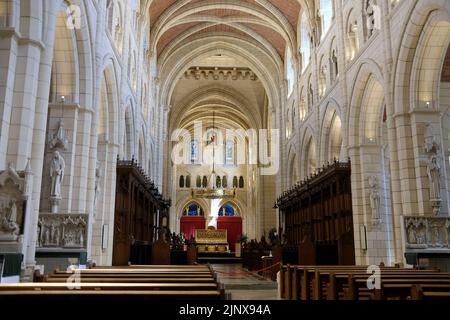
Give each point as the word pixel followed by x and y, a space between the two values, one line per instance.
pixel 194 151
pixel 228 210
pixel 305 44
pixel 205 182
pixel 198 183
pixel 290 72
pixel 225 182
pixel 326 15
pixel 334 67
pixel 193 210
pixel 188 181
pixel 235 182
pixel 229 152
pixel 241 182
pixel 218 182
pixel 110 16
pixel 352 36
pixel 181 181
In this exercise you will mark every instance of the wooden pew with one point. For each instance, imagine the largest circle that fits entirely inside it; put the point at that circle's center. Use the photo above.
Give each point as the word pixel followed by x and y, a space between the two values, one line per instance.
pixel 350 282
pixel 46 286
pixel 430 292
pixel 140 282
pixel 82 296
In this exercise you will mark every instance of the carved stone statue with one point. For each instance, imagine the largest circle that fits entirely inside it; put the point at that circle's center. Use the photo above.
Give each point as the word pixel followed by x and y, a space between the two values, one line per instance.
pixel 57 167
pixel 47 237
pixel 59 139
pixel 434 176
pixel 9 219
pixel 431 145
pixel 375 198
pixel 412 238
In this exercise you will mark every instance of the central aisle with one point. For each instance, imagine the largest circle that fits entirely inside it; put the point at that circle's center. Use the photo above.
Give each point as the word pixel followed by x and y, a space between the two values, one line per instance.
pixel 244 286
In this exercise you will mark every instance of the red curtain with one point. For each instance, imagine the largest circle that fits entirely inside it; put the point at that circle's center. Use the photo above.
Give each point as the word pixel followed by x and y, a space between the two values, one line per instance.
pixel 233 225
pixel 188 225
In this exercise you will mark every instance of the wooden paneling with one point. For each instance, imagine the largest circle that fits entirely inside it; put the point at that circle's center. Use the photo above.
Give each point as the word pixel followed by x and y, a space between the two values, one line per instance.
pixel 137 205
pixel 318 216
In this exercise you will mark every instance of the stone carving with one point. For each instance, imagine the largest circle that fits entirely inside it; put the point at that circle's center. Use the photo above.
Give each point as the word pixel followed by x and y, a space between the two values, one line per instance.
pixel 9 219
pixel 434 178
pixel 59 139
pixel 431 146
pixel 375 199
pixel 57 167
pixel 14 192
pixel 62 231
pixel 217 73
pixel 434 175
pixel 427 232
pixel 370 17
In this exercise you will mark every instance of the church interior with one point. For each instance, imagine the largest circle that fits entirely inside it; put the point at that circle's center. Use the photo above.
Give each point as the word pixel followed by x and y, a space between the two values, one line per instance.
pixel 225 149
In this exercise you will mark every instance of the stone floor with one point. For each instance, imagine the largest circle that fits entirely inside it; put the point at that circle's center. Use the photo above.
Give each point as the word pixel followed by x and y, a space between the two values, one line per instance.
pixel 245 286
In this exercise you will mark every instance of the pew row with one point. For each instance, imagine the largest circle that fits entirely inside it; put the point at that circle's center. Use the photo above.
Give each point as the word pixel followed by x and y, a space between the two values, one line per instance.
pixel 163 282
pixel 352 283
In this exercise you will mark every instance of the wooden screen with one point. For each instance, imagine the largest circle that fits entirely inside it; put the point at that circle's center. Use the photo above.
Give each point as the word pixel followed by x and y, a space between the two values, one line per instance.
pixel 318 217
pixel 137 204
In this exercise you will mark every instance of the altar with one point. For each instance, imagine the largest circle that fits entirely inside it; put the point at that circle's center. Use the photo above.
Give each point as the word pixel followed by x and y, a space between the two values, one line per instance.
pixel 211 240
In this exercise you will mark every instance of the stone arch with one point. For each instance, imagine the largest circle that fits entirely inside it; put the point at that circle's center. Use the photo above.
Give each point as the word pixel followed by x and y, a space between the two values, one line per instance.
pixel 309 159
pixel 351 35
pixel 322 76
pixel 331 141
pixel 293 167
pixel 367 70
pixel 369 152
pixel 65 68
pixel 128 134
pixel 269 71
pixel 421 29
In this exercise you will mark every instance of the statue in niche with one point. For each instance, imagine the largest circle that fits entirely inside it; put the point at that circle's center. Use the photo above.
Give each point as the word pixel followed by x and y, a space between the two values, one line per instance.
pixel 57 167
pixel 57 236
pixel 80 237
pixel 434 176
pixel 436 236
pixel 412 238
pixel 375 198
pixel 47 237
pixel 52 233
pixel 59 139
pixel 9 220
pixel 431 145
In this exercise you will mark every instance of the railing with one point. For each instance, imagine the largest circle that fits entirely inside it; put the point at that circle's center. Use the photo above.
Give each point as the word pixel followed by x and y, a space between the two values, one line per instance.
pixel 316 175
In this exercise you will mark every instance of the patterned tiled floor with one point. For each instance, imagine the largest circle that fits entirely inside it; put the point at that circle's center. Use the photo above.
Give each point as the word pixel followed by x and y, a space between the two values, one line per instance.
pixel 244 286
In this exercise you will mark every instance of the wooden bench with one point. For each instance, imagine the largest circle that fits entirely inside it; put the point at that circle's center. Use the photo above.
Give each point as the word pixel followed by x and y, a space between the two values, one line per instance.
pixel 350 282
pixel 142 282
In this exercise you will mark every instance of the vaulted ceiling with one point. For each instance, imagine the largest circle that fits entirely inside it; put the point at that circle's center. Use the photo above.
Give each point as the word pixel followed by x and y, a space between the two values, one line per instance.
pixel 270 23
